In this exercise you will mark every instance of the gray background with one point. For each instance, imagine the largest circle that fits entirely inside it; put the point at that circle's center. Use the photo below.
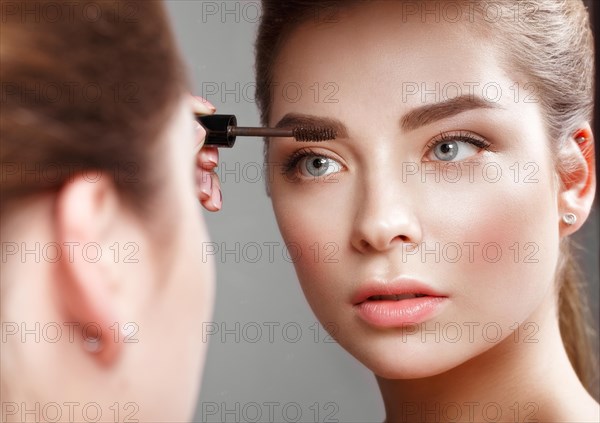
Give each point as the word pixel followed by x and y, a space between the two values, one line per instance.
pixel 274 360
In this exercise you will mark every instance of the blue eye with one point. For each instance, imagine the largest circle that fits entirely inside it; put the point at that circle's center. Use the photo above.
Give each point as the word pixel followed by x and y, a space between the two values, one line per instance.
pixel 455 147
pixel 450 150
pixel 310 164
pixel 317 166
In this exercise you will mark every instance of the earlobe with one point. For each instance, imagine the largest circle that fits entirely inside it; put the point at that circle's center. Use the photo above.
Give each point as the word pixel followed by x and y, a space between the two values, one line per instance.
pixel 578 180
pixel 84 211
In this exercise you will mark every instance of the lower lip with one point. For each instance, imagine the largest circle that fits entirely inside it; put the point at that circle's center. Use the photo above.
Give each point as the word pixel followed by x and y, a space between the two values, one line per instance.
pixel 391 313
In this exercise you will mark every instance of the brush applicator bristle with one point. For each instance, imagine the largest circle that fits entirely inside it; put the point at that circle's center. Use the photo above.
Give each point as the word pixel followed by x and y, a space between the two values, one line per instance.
pixel 316 134
pixel 222 130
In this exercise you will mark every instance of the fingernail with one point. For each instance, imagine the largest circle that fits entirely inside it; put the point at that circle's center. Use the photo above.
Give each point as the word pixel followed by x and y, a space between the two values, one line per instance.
pixel 206 185
pixel 219 203
pixel 207 104
pixel 208 164
pixel 212 160
pixel 210 155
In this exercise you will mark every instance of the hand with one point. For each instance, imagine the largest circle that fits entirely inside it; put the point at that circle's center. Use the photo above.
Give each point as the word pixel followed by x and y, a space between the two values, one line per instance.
pixel 208 186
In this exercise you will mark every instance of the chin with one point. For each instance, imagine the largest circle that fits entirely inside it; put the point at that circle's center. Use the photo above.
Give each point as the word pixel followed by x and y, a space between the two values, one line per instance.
pixel 418 371
pixel 397 368
pixel 389 360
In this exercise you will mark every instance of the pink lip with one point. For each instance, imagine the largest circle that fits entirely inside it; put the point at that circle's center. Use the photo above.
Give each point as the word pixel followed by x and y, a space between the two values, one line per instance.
pixel 397 313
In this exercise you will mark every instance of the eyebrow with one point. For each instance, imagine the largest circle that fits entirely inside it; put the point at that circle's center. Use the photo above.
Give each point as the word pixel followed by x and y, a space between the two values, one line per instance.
pixel 430 113
pixel 414 119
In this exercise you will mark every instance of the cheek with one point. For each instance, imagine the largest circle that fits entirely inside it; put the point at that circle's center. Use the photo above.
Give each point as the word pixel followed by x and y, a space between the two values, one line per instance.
pixel 508 238
pixel 316 240
pixel 189 308
pixel 192 280
pixel 198 265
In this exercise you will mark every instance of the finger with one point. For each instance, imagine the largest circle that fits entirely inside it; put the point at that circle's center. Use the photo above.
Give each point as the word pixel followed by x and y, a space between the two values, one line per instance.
pixel 217 194
pixel 200 138
pixel 204 182
pixel 208 158
pixel 215 201
pixel 202 106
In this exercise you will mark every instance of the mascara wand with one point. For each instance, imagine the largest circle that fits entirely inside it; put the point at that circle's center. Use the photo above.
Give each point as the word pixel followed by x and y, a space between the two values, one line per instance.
pixel 222 130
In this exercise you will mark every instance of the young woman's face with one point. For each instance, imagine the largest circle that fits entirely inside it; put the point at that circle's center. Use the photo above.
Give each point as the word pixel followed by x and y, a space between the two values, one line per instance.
pixel 440 183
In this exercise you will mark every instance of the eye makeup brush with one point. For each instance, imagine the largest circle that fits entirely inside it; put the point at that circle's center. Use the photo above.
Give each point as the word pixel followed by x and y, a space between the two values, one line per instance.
pixel 222 130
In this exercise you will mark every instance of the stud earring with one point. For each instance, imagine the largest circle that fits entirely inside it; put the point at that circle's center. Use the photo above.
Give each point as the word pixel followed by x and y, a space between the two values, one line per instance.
pixel 569 218
pixel 92 345
pixel 581 136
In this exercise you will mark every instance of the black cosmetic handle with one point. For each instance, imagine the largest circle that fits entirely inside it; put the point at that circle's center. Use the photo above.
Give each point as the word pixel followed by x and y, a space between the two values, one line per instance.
pixel 217 129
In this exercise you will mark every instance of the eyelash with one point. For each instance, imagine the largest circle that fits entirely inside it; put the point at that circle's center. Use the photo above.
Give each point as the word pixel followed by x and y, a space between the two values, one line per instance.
pixel 461 136
pixel 292 162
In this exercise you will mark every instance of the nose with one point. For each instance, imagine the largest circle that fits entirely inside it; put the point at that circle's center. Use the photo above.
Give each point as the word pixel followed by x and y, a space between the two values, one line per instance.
pixel 385 217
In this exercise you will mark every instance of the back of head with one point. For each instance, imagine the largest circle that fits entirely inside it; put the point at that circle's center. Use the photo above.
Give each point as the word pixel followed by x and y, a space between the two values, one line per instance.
pixel 86 86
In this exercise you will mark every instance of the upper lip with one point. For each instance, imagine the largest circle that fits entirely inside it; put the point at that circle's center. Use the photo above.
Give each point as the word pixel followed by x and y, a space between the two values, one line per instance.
pixel 397 286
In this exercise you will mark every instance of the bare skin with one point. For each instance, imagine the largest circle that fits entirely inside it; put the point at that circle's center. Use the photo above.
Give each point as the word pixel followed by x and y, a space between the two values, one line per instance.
pixel 147 298
pixel 357 199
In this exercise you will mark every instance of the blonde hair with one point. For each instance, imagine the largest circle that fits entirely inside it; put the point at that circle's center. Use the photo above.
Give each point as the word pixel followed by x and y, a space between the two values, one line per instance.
pixel 550 43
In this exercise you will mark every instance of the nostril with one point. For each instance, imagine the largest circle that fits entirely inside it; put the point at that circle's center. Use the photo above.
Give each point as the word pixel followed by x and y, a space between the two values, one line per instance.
pixel 364 245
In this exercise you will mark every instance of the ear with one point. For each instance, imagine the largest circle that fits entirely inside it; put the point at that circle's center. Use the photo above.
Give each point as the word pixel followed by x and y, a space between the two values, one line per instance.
pixel 85 283
pixel 578 178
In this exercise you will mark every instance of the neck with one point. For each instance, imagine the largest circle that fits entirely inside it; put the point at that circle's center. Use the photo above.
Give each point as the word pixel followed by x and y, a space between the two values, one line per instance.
pixel 512 381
